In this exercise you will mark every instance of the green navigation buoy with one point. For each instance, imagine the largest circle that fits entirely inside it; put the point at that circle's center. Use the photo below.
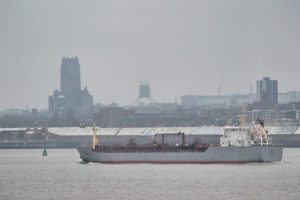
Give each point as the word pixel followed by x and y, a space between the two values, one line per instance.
pixel 45 152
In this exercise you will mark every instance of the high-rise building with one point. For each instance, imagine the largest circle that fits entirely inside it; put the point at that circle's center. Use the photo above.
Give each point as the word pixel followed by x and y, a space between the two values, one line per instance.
pixel 71 99
pixel 289 97
pixel 216 101
pixel 267 93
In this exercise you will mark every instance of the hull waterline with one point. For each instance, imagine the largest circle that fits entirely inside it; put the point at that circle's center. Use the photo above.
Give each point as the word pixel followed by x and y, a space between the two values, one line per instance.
pixel 213 155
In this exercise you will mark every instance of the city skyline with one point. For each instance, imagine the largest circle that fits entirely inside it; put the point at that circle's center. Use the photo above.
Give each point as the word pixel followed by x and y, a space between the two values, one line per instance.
pixel 182 48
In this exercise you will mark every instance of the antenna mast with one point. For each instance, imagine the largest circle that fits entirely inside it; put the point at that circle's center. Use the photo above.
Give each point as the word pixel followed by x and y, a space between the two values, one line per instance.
pixel 95 140
pixel 220 85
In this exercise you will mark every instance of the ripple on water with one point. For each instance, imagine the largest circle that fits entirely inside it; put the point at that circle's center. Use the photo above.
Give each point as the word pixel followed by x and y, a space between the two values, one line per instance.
pixel 25 174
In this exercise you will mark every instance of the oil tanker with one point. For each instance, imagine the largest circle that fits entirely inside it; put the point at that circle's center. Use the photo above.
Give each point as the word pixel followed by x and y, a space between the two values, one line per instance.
pixel 237 145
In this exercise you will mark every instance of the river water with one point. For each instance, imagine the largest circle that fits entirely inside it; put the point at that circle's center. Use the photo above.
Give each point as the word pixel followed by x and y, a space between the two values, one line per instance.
pixel 25 174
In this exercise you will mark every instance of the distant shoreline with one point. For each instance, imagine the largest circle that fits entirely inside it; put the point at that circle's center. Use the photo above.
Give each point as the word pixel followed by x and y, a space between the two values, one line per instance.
pixel 38 145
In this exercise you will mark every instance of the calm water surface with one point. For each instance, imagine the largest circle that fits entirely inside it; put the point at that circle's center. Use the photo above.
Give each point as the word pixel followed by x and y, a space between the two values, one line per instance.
pixel 25 174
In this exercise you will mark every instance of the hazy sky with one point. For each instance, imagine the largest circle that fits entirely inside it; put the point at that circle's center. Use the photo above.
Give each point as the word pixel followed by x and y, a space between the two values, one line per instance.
pixel 180 46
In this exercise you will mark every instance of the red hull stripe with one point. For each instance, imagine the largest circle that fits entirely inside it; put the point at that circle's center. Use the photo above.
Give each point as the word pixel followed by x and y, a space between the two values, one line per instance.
pixel 175 162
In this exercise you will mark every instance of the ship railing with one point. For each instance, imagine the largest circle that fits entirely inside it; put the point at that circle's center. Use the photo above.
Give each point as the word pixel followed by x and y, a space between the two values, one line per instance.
pixel 215 145
pixel 267 145
pixel 150 149
pixel 147 151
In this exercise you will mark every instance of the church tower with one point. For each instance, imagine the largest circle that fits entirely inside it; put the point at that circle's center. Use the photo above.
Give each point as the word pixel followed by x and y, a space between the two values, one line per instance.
pixel 70 75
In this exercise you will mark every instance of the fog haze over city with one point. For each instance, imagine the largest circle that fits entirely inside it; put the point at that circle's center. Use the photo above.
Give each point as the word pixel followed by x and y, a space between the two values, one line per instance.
pixel 181 47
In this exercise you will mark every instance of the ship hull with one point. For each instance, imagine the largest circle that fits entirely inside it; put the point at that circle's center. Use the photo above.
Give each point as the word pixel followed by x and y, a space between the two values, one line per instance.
pixel 230 155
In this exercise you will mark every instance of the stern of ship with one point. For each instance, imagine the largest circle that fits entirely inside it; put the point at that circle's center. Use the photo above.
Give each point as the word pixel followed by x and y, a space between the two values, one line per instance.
pixel 272 153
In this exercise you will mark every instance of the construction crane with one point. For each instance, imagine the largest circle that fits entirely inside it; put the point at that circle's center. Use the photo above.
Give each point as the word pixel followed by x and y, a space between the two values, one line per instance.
pixel 220 85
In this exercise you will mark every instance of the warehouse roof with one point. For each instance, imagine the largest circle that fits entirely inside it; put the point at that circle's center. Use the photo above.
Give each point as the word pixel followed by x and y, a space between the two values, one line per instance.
pixel 203 130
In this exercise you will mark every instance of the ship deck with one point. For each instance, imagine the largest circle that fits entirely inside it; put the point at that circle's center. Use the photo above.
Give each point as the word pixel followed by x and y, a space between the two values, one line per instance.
pixel 110 149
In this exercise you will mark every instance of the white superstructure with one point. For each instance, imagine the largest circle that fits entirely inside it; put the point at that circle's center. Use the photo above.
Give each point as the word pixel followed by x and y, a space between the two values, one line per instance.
pixel 245 136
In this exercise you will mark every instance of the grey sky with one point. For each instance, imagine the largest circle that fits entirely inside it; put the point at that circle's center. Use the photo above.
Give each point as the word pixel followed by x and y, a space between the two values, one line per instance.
pixel 181 47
